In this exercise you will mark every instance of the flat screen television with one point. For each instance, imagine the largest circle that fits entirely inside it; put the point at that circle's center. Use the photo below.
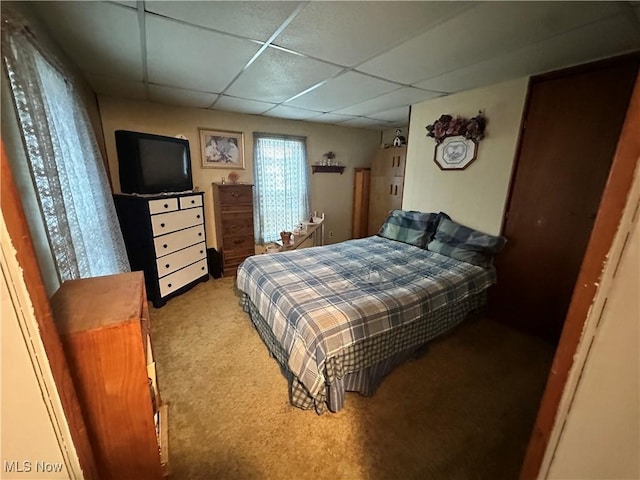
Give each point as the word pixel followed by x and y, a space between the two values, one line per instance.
pixel 153 163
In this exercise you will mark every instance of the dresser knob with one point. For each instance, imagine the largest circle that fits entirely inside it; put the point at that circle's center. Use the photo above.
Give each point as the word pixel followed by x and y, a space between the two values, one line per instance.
pixel 193 201
pixel 201 252
pixel 197 216
pixel 165 245
pixel 169 285
pixel 199 234
pixel 166 266
pixel 202 268
pixel 166 205
pixel 162 225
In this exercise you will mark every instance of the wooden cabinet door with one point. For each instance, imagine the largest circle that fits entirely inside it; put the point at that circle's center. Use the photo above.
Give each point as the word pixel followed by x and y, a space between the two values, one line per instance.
pixel 572 125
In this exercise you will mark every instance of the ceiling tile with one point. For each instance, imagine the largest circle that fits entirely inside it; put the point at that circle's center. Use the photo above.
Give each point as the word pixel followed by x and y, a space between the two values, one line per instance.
pixel 364 122
pixel 100 38
pixel 342 91
pixel 257 20
pixel 130 3
pixel 189 57
pixel 601 39
pixel 398 98
pixel 396 115
pixel 347 33
pixel 332 118
pixel 277 75
pixel 488 30
pixel 177 96
pixel 241 105
pixel 117 88
pixel 282 111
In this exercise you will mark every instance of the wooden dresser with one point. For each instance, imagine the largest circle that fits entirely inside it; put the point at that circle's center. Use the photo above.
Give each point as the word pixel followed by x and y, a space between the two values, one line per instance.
pixel 233 207
pixel 387 185
pixel 165 237
pixel 103 323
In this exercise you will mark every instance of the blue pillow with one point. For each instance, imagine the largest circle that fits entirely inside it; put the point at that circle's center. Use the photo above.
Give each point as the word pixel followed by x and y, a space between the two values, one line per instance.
pixel 465 244
pixel 415 228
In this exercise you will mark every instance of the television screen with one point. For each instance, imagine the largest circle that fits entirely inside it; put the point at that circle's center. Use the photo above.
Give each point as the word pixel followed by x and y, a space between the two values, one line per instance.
pixel 153 163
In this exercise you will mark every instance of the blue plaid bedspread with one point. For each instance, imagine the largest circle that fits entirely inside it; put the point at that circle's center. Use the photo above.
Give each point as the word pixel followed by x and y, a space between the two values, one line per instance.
pixel 319 301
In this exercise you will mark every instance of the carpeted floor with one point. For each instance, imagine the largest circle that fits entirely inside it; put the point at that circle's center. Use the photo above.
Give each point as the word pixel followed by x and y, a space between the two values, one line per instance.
pixel 464 410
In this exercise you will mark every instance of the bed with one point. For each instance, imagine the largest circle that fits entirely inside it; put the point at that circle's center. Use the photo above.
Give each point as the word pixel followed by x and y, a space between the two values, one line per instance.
pixel 340 317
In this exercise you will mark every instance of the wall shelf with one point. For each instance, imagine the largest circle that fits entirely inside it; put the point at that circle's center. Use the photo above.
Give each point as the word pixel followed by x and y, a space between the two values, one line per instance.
pixel 327 169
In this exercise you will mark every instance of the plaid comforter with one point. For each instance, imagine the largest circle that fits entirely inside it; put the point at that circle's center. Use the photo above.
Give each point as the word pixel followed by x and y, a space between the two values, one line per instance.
pixel 321 301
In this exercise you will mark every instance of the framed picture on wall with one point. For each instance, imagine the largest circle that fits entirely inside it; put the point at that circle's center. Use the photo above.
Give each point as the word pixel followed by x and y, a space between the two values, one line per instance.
pixel 222 149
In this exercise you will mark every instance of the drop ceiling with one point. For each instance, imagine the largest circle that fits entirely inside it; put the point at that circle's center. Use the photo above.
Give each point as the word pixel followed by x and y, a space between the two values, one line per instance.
pixel 358 64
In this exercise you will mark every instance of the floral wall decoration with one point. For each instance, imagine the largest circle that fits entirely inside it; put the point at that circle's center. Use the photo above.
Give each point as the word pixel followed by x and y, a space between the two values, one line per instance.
pixel 456 140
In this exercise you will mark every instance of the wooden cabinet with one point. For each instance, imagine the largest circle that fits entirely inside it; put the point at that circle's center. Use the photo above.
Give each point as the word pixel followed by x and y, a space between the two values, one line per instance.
pixel 362 183
pixel 233 206
pixel 386 186
pixel 103 323
pixel 165 238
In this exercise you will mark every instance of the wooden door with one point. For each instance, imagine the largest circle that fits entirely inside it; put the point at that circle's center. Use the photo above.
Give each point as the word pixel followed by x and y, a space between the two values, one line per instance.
pixel 571 127
pixel 362 180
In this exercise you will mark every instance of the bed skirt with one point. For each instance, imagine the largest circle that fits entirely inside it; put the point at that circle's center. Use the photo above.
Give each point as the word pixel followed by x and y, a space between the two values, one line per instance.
pixel 361 367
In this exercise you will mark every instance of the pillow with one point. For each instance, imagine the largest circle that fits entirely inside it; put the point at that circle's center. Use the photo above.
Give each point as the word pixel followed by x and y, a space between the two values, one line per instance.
pixel 415 228
pixel 465 244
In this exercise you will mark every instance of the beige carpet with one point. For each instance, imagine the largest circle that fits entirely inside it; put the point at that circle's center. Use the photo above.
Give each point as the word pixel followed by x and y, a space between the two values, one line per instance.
pixel 464 410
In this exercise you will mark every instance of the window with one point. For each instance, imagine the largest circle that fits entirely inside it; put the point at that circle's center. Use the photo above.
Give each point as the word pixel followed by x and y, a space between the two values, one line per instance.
pixel 66 166
pixel 282 184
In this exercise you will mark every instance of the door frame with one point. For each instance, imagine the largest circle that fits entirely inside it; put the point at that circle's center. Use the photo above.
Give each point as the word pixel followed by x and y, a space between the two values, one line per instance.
pixel 612 204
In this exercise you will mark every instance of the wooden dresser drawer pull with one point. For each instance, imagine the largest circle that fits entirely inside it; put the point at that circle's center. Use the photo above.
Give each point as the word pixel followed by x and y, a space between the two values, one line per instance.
pixel 238 242
pixel 166 205
pixel 235 194
pixel 201 252
pixel 165 245
pixel 193 201
pixel 199 234
pixel 390 189
pixel 201 268
pixel 162 225
pixel 197 216
pixel 166 266
pixel 396 190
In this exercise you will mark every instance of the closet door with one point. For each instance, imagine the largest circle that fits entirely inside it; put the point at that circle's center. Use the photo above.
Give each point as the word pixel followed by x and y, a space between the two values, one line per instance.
pixel 572 124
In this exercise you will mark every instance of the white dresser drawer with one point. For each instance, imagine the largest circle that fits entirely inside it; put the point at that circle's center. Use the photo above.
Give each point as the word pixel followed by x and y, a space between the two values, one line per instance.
pixel 170 222
pixel 173 242
pixel 178 279
pixel 163 205
pixel 190 201
pixel 181 258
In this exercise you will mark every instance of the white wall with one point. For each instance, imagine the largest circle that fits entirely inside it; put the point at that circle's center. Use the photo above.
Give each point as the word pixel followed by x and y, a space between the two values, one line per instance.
pixel 599 437
pixel 476 196
pixel 330 193
pixel 34 428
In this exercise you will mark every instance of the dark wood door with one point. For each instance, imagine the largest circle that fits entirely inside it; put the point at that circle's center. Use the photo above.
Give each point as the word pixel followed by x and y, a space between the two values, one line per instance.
pixel 571 127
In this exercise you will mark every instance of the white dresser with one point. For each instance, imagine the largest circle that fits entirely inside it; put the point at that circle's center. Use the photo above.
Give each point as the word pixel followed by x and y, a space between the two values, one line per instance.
pixel 165 238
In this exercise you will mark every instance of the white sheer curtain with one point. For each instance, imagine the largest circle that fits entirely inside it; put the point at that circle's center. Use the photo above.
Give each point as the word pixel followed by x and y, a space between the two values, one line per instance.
pixel 65 162
pixel 281 184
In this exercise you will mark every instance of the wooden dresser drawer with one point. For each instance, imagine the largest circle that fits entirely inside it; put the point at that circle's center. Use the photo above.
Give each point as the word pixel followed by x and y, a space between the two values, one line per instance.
pixel 163 205
pixel 236 195
pixel 178 279
pixel 237 225
pixel 170 222
pixel 231 243
pixel 177 260
pixel 166 244
pixel 190 201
